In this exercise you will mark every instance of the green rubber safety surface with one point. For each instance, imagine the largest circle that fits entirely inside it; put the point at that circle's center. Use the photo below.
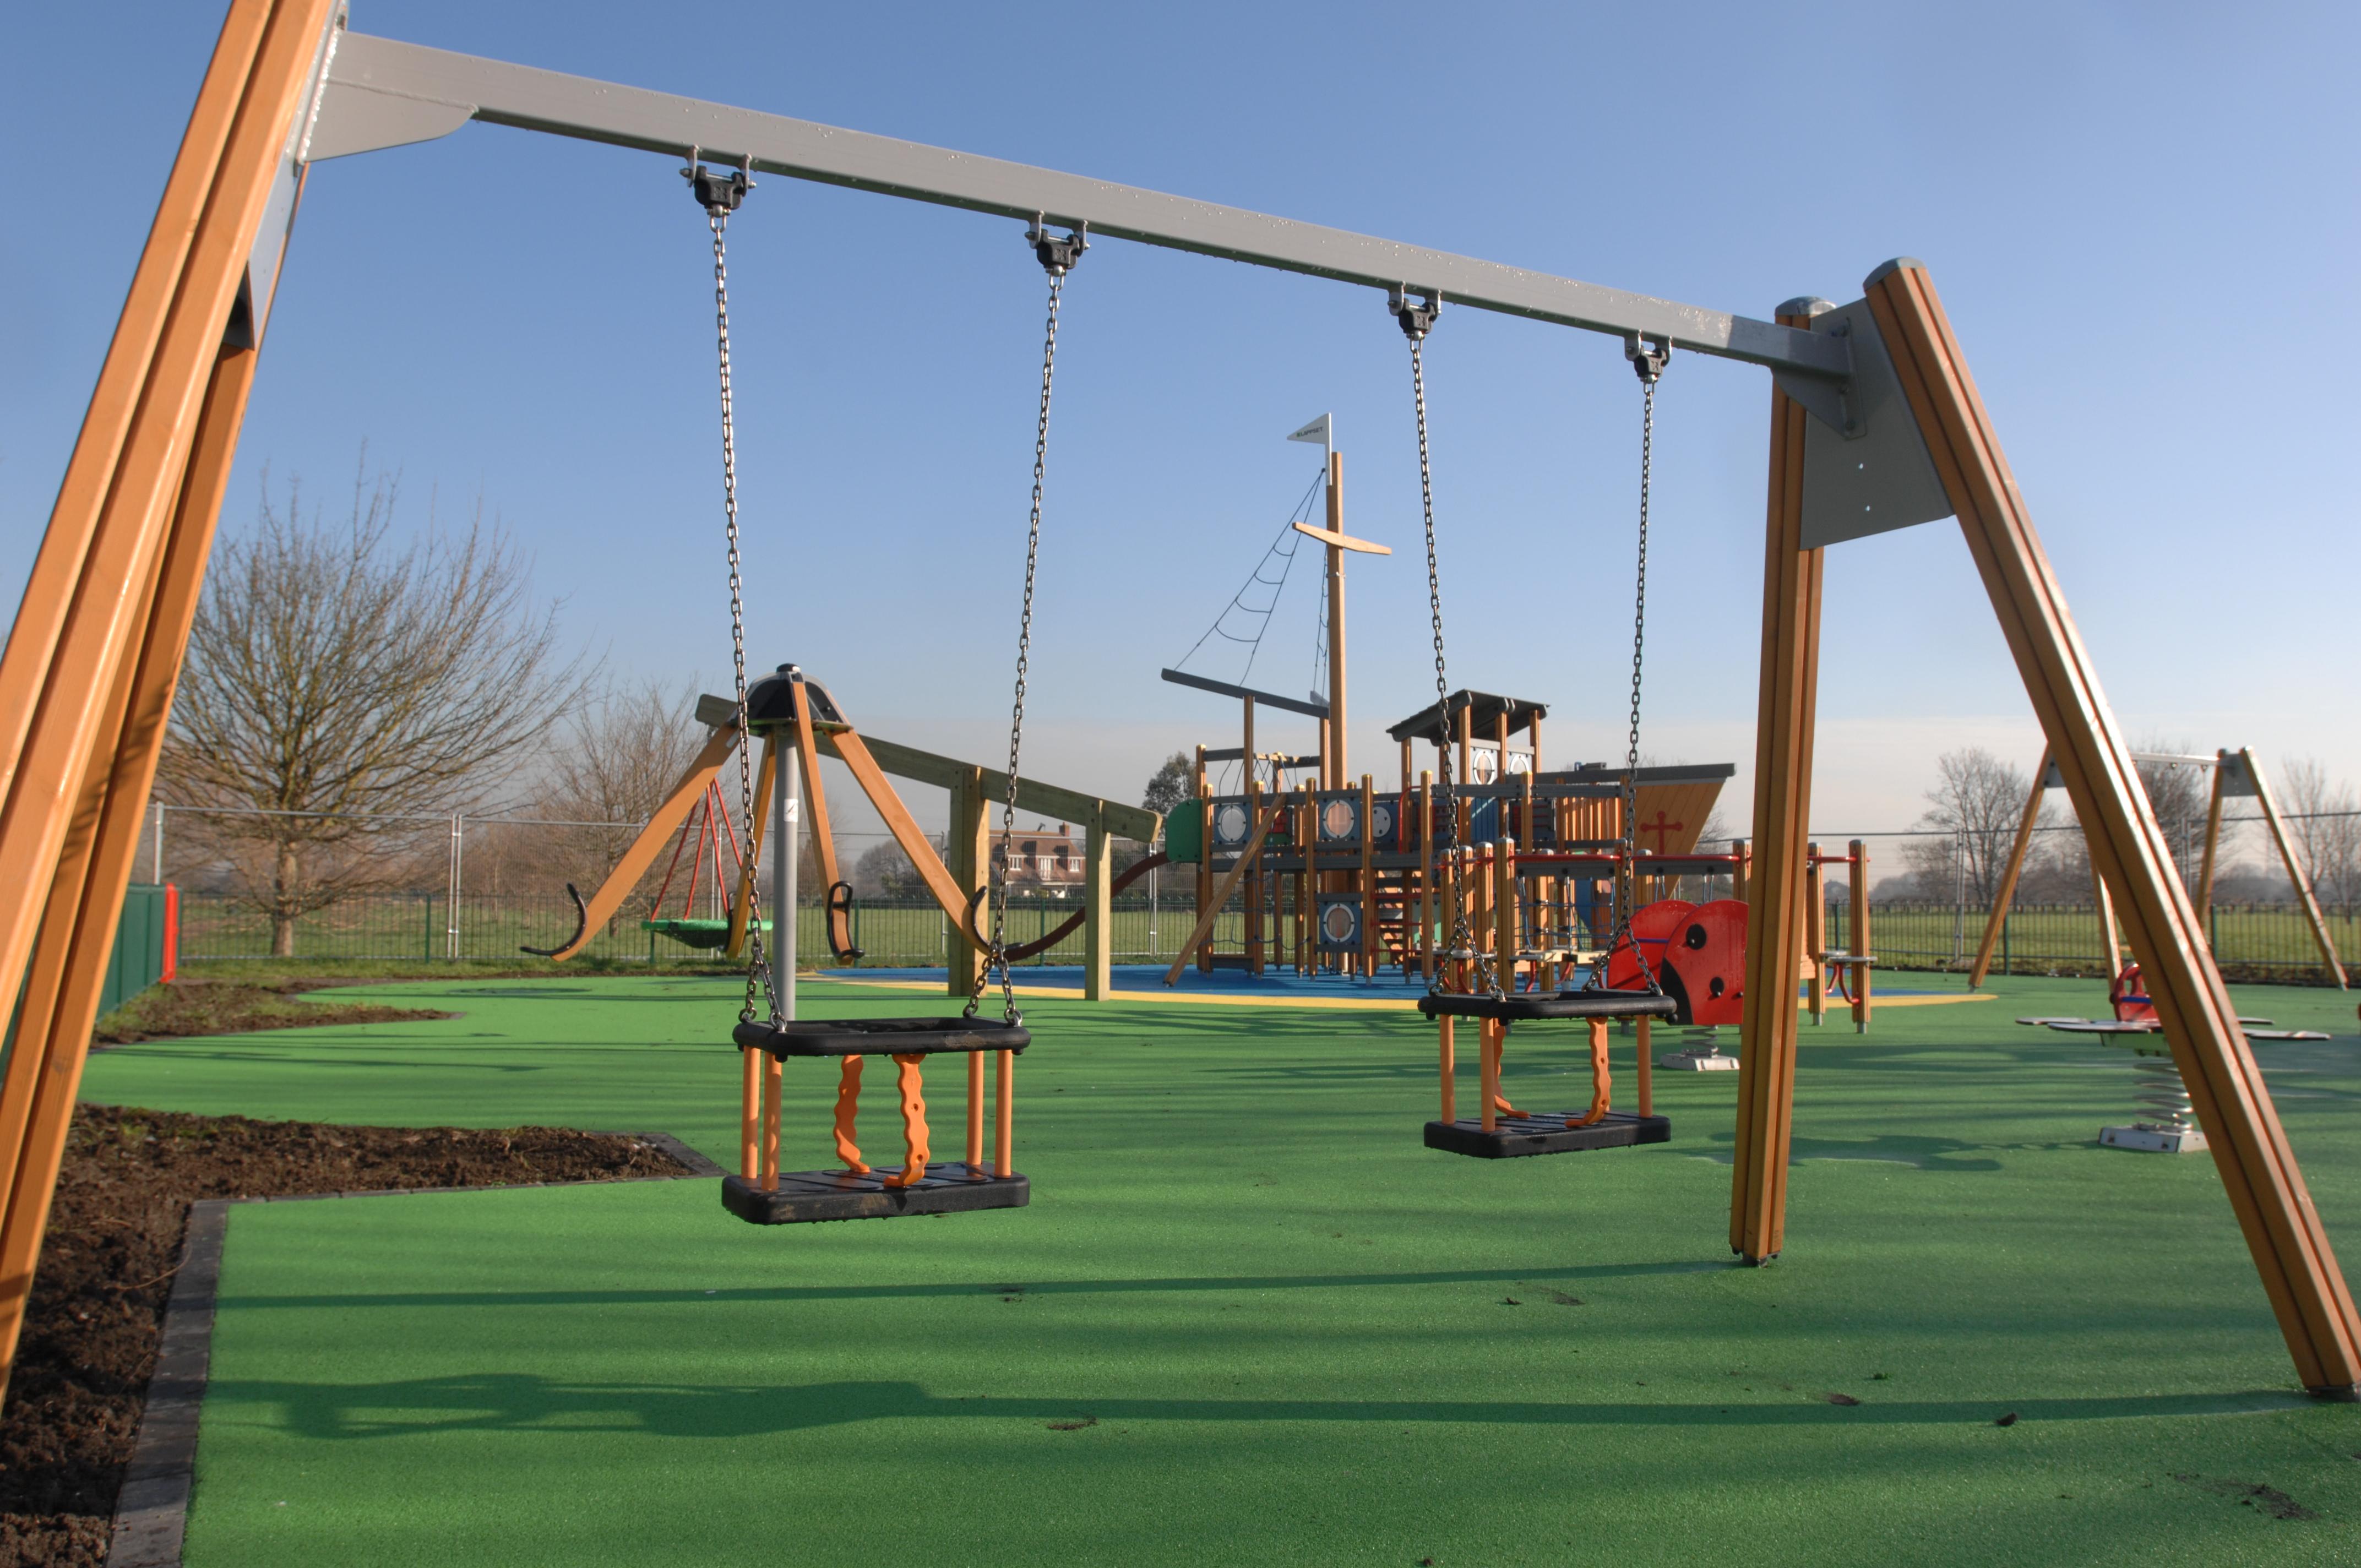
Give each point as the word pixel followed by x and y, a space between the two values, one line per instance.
pixel 1248 1319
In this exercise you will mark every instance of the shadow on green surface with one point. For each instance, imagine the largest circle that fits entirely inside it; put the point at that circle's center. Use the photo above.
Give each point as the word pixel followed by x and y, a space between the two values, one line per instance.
pixel 968 1288
pixel 512 1401
pixel 1955 1155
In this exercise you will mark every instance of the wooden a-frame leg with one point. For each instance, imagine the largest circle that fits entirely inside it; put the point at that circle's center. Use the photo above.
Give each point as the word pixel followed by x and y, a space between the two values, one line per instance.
pixel 2299 1275
pixel 2306 899
pixel 1783 801
pixel 61 999
pixel 2005 895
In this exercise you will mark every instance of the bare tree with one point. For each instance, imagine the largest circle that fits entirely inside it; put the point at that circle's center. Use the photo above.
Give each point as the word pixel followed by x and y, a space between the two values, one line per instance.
pixel 2180 794
pixel 616 758
pixel 1976 804
pixel 333 677
pixel 2325 822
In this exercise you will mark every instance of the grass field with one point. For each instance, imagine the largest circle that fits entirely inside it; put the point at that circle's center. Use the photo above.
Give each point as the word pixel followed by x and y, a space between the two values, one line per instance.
pixel 1248 1320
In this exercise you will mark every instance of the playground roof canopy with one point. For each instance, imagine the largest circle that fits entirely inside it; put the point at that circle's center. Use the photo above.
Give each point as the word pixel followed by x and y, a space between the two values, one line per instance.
pixel 1429 723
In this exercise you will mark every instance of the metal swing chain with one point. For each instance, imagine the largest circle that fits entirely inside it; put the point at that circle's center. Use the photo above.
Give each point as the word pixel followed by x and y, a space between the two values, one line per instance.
pixel 1416 320
pixel 719 197
pixel 1058 257
pixel 1648 361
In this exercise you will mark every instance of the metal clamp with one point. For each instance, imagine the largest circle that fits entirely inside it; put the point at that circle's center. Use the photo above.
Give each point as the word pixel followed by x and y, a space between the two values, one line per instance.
pixel 717 193
pixel 1057 255
pixel 1416 320
pixel 1648 356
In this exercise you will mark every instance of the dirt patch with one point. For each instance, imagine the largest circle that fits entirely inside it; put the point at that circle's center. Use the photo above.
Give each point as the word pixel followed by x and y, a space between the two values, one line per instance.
pixel 218 1007
pixel 113 1244
pixel 2265 1500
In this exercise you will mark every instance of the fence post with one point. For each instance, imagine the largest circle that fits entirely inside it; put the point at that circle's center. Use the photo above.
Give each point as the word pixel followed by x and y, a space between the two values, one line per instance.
pixel 451 914
pixel 1959 892
pixel 426 940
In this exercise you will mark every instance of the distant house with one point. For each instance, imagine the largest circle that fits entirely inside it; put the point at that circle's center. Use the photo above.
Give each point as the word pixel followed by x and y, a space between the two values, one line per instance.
pixel 1046 858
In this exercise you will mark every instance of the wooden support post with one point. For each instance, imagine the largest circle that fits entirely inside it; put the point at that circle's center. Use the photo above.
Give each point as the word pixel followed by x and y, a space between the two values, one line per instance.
pixel 2259 1173
pixel 1098 913
pixel 78 619
pixel 2295 870
pixel 974 1111
pixel 1205 881
pixel 1253 864
pixel 767 1165
pixel 1338 769
pixel 1489 1072
pixel 2005 895
pixel 1784 724
pixel 1307 837
pixel 1366 884
pixel 1003 1115
pixel 1504 912
pixel 1816 932
pixel 1861 949
pixel 750 1114
pixel 1428 905
pixel 95 649
pixel 1467 742
pixel 1443 1028
pixel 1647 1067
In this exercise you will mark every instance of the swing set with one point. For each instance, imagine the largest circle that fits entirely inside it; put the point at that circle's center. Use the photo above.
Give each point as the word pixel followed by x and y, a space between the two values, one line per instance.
pixel 1875 424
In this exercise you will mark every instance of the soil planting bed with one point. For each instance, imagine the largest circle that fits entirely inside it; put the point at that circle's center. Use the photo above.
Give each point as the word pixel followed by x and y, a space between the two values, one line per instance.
pixel 230 1007
pixel 113 1244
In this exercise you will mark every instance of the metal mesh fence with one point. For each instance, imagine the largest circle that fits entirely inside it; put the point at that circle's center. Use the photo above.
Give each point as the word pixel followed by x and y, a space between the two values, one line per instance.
pixel 421 926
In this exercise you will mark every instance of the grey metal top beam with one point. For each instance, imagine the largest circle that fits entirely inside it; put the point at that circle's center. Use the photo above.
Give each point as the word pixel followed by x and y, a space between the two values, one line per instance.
pixel 1267 699
pixel 382 93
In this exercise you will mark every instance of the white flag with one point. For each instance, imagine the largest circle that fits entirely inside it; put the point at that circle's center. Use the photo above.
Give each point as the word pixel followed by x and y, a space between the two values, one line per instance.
pixel 1316 433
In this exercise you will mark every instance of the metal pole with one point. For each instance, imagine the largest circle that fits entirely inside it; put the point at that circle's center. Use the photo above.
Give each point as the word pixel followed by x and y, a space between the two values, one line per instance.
pixel 787 848
pixel 1959 893
pixel 451 928
pixel 159 878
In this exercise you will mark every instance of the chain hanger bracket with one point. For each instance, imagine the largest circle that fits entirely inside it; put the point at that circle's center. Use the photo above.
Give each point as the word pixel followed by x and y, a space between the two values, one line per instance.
pixel 1648 356
pixel 1416 320
pixel 719 191
pixel 1057 254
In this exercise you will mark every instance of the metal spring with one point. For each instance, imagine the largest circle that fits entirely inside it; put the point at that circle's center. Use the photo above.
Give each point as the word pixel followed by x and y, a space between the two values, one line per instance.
pixel 2162 1098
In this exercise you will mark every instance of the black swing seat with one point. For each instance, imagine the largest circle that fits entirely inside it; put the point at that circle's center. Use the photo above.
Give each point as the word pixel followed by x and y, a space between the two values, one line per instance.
pixel 1536 1004
pixel 881 1036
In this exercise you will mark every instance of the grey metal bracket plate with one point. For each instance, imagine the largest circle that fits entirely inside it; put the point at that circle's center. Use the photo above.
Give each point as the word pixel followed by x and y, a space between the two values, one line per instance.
pixel 1866 468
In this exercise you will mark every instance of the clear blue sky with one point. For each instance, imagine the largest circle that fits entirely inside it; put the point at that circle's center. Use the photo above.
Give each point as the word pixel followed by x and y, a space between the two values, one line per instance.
pixel 2142 219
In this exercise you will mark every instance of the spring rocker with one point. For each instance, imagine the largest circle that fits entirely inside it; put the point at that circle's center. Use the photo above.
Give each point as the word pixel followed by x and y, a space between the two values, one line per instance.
pixel 1875 423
